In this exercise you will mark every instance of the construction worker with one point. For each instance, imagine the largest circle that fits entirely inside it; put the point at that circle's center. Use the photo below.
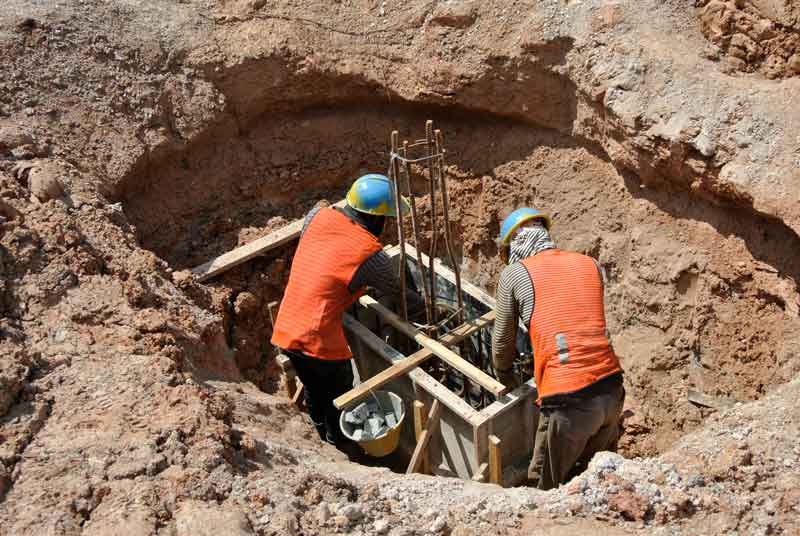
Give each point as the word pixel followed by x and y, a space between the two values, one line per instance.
pixel 338 256
pixel 558 295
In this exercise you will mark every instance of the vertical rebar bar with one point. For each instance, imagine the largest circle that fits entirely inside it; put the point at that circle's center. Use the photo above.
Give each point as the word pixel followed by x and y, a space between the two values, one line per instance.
pixel 434 228
pixel 401 237
pixel 415 230
pixel 439 145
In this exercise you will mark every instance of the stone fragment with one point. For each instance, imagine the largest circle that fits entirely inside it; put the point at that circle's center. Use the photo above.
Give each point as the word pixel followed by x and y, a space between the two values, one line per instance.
pixel 373 426
pixel 44 180
pixel 794 63
pixel 381 526
pixel 157 464
pixel 391 420
pixel 323 513
pixel 353 512
pixel 438 524
pixel 357 415
pixel 629 504
pixel 454 15
pixel 206 519
pixel 12 136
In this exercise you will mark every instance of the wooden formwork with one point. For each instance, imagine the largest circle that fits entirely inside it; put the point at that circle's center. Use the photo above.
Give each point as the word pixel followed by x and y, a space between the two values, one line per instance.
pixel 466 437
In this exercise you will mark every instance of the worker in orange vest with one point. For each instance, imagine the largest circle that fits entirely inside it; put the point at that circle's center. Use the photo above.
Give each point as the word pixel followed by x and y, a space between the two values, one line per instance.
pixel 558 295
pixel 338 256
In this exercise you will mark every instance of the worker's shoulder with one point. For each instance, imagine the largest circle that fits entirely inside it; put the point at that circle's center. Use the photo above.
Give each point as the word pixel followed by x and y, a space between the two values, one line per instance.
pixel 512 273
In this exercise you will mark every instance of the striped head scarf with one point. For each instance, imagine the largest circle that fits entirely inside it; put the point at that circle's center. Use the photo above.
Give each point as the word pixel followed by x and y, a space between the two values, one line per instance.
pixel 529 241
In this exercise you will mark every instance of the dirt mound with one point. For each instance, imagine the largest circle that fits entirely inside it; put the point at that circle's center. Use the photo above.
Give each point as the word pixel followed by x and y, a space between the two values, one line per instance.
pixel 138 141
pixel 757 35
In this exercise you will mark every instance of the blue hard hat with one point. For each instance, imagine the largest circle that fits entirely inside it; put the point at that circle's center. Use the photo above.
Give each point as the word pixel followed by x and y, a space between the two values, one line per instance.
pixel 517 218
pixel 374 194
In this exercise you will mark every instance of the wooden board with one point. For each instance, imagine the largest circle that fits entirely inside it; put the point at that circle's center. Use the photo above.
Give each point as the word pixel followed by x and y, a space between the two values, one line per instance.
pixel 409 363
pixel 422 444
pixel 445 354
pixel 257 247
pixel 495 461
pixel 420 421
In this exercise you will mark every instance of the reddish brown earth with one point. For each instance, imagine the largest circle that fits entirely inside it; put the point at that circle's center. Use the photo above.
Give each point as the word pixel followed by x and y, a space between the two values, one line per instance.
pixel 137 140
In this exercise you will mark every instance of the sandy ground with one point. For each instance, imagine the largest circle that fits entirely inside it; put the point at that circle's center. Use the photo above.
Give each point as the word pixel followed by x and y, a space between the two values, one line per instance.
pixel 140 139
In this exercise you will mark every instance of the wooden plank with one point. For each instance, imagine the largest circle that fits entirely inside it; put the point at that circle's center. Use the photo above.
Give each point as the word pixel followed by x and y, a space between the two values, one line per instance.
pixel 445 354
pixel 495 461
pixel 522 394
pixel 420 378
pixel 257 247
pixel 420 420
pixel 407 363
pixel 422 444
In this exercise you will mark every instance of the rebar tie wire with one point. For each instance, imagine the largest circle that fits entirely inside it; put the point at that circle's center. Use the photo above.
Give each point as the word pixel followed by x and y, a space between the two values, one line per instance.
pixel 395 156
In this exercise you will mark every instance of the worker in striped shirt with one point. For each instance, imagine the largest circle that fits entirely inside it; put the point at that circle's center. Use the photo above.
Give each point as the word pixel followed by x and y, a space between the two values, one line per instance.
pixel 558 295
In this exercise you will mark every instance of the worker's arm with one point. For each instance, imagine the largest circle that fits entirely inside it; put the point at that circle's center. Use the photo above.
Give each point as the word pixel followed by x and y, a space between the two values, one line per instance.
pixel 513 300
pixel 310 216
pixel 601 271
pixel 379 273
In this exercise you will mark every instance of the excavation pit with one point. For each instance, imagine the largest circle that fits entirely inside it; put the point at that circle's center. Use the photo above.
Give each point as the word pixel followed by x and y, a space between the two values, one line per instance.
pixel 470 419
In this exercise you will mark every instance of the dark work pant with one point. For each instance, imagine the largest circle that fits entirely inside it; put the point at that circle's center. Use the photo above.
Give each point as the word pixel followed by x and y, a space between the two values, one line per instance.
pixel 323 381
pixel 572 429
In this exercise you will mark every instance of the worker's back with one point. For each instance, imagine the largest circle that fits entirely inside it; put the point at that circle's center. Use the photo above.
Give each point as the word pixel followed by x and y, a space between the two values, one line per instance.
pixel 567 326
pixel 310 316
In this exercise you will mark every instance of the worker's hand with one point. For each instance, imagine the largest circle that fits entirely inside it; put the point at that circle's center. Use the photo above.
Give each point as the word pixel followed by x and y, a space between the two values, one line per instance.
pixel 508 378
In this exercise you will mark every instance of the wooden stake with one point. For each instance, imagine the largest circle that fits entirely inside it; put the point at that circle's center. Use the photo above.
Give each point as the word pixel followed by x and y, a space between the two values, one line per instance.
pixel 289 374
pixel 420 420
pixel 297 399
pixel 425 438
pixel 495 461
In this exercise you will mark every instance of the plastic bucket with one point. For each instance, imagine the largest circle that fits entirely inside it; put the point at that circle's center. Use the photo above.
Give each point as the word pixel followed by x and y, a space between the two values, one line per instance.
pixel 387 443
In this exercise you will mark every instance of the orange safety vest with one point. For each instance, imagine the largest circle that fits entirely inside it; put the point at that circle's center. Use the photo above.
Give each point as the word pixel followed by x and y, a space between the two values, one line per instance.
pixel 310 316
pixel 568 324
